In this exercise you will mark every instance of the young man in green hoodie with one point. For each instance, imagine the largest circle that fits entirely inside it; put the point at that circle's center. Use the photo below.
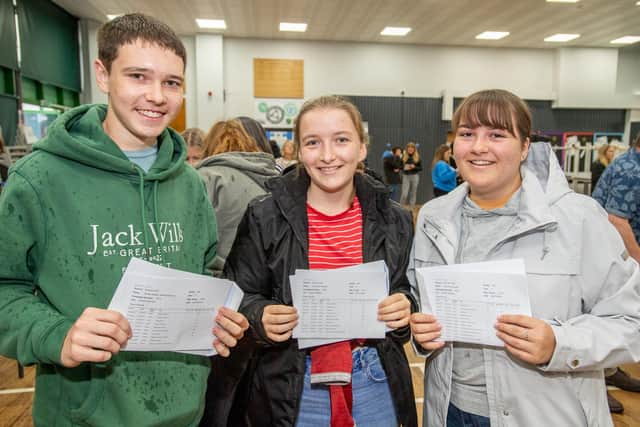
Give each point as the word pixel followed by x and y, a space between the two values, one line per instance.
pixel 107 183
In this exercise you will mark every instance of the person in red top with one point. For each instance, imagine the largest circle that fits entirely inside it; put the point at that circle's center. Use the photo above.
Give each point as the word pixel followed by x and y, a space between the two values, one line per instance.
pixel 327 214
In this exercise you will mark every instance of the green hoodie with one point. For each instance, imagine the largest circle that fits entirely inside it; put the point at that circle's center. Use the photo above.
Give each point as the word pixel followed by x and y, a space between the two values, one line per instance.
pixel 72 215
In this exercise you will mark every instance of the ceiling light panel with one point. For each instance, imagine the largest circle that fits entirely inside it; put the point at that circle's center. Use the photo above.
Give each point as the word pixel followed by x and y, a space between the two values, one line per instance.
pixel 300 27
pixel 560 38
pixel 395 31
pixel 215 24
pixel 626 40
pixel 492 35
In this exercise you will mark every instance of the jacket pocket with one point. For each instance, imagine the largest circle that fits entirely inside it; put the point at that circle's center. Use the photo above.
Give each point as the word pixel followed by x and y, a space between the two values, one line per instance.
pixel 557 277
pixel 588 391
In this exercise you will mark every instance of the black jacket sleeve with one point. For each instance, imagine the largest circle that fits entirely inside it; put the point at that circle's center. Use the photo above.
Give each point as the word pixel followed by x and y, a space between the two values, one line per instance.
pixel 247 266
pixel 398 282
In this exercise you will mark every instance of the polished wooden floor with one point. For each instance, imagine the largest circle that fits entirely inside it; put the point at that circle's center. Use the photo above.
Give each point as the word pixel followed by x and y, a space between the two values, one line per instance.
pixel 16 394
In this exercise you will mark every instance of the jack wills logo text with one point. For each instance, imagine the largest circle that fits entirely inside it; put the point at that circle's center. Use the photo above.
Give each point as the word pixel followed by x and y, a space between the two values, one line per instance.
pixel 162 233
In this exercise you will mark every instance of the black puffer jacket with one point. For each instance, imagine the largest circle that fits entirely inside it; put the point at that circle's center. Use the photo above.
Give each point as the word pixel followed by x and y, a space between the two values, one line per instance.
pixel 271 243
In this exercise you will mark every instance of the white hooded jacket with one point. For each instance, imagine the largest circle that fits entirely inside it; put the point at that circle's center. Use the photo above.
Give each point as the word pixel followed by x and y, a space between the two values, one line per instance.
pixel 581 281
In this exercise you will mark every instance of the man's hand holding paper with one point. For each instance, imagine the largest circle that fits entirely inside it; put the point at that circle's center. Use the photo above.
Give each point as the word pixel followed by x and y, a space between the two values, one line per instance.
pixel 171 310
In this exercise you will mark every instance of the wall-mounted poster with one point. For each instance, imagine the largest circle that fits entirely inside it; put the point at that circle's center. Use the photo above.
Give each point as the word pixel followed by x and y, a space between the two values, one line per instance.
pixel 277 113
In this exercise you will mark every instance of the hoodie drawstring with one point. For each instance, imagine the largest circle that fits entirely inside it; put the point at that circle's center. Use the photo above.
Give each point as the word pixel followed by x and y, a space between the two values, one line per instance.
pixel 155 202
pixel 142 207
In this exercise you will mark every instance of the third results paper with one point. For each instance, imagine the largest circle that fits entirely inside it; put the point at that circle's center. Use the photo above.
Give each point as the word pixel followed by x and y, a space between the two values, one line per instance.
pixel 467 304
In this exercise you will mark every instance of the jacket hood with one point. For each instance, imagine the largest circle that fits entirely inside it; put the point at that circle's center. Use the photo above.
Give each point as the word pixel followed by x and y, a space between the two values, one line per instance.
pixel 78 135
pixel 543 163
pixel 543 184
pixel 258 166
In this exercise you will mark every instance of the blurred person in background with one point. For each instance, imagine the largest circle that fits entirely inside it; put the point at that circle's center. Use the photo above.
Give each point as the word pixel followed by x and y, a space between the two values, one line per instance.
pixel 442 174
pixel 194 138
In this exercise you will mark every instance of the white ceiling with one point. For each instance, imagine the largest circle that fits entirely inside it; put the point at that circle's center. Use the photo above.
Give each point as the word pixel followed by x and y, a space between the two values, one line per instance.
pixel 434 22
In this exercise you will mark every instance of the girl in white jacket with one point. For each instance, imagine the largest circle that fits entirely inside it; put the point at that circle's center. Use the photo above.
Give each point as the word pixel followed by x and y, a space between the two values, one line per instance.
pixel 583 286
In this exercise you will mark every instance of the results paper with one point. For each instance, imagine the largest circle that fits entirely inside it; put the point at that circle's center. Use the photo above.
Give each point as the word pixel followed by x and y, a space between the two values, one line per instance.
pixel 341 304
pixel 467 298
pixel 171 310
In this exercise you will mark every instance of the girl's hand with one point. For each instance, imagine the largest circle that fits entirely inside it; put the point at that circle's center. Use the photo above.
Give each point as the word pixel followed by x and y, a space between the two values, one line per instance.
pixel 425 329
pixel 230 329
pixel 527 338
pixel 278 321
pixel 395 310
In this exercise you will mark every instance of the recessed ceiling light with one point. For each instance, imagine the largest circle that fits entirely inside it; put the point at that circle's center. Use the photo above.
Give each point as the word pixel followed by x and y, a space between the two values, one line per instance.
pixel 563 1
pixel 112 17
pixel 216 24
pixel 561 37
pixel 492 35
pixel 626 40
pixel 395 31
pixel 292 26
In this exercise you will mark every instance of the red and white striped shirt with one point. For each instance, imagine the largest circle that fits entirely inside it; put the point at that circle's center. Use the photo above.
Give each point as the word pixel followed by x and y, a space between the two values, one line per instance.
pixel 335 241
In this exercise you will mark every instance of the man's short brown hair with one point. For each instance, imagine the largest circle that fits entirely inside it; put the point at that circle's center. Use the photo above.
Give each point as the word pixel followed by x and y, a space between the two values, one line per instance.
pixel 129 28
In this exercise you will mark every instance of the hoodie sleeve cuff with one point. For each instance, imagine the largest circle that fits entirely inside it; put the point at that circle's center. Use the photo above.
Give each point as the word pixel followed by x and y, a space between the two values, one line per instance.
pixel 52 341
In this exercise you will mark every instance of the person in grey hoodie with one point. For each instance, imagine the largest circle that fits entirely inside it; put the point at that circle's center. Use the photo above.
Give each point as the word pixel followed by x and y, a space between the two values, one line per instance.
pixel 234 172
pixel 582 284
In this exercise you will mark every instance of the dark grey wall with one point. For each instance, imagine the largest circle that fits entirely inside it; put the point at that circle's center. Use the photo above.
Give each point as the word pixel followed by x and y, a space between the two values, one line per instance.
pixel 398 120
pixel 572 119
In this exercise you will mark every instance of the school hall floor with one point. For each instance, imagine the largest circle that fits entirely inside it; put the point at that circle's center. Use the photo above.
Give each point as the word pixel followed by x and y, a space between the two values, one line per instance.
pixel 16 394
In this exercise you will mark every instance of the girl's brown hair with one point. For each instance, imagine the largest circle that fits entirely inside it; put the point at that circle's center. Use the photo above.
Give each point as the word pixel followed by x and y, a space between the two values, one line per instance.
pixel 439 154
pixel 330 102
pixel 229 135
pixel 494 108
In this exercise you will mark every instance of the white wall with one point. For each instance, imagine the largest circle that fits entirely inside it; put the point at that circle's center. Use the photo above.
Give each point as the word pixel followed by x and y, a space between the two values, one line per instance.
pixel 571 77
pixel 190 82
pixel 588 78
pixel 209 84
pixel 386 70
pixel 91 94
pixel 628 78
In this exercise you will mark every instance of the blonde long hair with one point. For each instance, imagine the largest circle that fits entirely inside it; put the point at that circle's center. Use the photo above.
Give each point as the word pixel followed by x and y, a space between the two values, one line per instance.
pixel 415 155
pixel 602 154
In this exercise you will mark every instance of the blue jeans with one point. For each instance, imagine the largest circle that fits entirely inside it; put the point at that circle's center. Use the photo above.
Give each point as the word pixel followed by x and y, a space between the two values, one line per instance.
pixel 372 402
pixel 395 192
pixel 459 418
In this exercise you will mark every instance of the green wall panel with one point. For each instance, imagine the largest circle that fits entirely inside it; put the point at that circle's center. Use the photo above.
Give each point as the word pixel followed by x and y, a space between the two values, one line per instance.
pixel 49 44
pixel 8 51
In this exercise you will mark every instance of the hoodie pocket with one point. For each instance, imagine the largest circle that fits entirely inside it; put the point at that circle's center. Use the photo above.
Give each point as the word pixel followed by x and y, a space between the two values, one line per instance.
pixel 94 395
